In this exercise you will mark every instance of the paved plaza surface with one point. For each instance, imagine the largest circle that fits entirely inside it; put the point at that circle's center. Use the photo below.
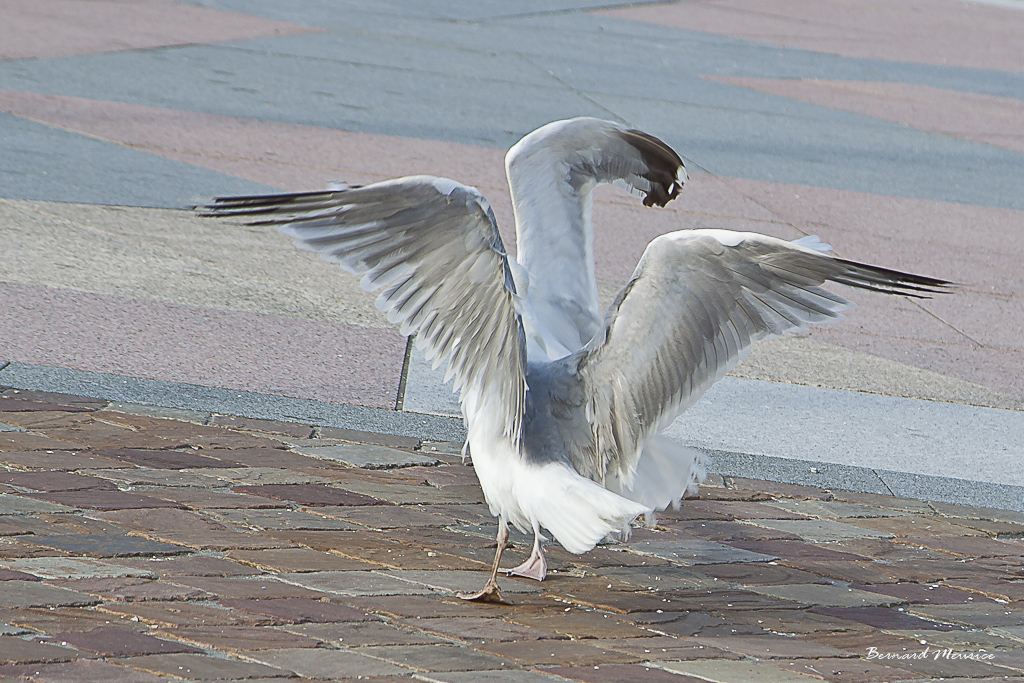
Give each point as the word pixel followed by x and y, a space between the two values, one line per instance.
pixel 142 544
pixel 196 391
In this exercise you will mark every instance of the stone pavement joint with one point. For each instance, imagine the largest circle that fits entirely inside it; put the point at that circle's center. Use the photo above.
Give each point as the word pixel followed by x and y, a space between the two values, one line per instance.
pixel 214 589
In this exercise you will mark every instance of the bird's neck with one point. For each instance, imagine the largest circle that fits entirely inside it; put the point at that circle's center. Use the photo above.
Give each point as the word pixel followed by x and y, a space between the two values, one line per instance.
pixel 555 246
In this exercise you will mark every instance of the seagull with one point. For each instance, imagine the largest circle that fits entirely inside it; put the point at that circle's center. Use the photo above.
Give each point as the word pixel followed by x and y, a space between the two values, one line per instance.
pixel 564 407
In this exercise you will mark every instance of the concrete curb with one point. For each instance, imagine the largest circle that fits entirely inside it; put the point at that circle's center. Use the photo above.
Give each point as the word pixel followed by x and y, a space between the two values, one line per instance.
pixel 866 480
pixel 191 398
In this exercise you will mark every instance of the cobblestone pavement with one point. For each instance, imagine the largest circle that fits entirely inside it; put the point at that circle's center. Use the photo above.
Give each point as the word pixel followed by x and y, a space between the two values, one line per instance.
pixel 144 544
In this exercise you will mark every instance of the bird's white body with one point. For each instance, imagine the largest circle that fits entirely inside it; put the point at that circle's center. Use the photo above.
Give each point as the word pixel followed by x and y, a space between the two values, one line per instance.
pixel 577 511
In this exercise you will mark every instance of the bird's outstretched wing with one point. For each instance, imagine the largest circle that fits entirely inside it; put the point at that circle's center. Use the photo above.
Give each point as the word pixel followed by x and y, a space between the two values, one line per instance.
pixel 431 245
pixel 551 173
pixel 696 302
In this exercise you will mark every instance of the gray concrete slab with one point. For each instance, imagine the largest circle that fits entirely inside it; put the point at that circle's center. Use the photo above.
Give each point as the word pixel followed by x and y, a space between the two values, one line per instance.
pixel 854 428
pixel 795 471
pixel 744 420
pixel 425 390
pixel 1004 495
pixel 41 162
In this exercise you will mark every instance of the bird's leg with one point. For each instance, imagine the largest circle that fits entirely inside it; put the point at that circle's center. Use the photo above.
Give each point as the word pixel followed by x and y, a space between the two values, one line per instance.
pixel 491 592
pixel 536 567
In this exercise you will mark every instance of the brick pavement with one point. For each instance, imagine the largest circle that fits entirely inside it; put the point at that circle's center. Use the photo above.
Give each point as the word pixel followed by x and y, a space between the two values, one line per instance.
pixel 142 548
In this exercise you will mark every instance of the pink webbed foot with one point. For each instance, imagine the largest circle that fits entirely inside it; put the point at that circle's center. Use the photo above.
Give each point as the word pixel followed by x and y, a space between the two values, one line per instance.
pixel 536 567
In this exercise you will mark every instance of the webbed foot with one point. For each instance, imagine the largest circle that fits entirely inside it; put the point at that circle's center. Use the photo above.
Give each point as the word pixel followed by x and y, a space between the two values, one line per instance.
pixel 536 567
pixel 490 593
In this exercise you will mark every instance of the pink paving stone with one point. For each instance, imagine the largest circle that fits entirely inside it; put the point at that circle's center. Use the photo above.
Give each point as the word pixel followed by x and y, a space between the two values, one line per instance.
pixel 943 239
pixel 978 269
pixel 13 405
pixel 20 651
pixel 120 642
pixel 165 460
pixel 103 500
pixel 980 118
pixel 895 318
pixel 234 638
pixel 991 368
pixel 881 618
pixel 60 28
pixel 299 610
pixel 54 481
pixel 210 347
pixel 709 196
pixel 90 671
pixel 14 575
pixel 620 673
pixel 623 227
pixel 200 499
pixel 903 232
pixel 65 400
pixel 310 494
pixel 289 156
pixel 992 321
pixel 945 32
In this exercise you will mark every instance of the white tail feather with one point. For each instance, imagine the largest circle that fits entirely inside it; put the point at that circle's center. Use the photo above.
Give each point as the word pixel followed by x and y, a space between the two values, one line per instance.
pixel 577 512
pixel 665 472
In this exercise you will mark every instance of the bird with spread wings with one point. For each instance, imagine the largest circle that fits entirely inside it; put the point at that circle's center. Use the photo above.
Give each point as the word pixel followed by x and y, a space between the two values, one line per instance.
pixel 564 406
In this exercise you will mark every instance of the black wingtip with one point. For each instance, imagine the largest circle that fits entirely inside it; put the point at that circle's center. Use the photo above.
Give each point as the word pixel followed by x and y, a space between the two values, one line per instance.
pixel 256 205
pixel 888 281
